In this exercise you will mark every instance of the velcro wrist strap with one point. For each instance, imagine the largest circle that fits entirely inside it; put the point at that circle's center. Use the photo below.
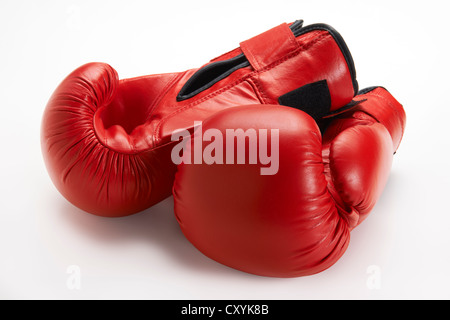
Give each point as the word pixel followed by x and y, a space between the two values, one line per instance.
pixel 269 46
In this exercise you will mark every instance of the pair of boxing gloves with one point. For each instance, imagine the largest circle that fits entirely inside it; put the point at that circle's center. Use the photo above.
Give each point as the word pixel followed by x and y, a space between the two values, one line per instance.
pixel 270 151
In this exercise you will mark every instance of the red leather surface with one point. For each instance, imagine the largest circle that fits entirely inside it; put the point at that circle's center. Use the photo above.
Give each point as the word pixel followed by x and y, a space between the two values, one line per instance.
pixel 387 111
pixel 270 46
pixel 83 165
pixel 106 142
pixel 298 221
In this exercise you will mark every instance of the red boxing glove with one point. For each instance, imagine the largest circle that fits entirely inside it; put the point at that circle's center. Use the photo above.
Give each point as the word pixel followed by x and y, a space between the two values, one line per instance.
pixel 107 142
pixel 295 218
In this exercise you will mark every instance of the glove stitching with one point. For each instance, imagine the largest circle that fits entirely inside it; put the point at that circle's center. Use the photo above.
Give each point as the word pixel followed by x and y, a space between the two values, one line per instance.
pixel 256 87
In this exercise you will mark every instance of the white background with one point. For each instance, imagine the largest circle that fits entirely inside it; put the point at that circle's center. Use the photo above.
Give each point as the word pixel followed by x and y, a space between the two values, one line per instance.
pixel 402 45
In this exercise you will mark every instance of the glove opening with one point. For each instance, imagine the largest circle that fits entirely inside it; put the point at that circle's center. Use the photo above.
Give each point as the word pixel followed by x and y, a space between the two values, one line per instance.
pixel 211 74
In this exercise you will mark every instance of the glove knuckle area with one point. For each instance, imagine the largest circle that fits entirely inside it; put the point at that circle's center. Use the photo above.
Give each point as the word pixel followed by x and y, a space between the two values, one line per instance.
pixel 281 225
pixel 88 171
pixel 360 162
